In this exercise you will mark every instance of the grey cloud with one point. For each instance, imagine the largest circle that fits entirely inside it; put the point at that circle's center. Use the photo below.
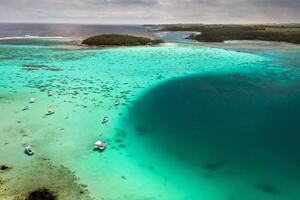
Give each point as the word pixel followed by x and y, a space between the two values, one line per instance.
pixel 128 2
pixel 279 3
pixel 151 11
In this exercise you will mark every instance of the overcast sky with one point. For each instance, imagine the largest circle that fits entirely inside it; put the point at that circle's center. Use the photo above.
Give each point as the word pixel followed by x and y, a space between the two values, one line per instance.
pixel 150 11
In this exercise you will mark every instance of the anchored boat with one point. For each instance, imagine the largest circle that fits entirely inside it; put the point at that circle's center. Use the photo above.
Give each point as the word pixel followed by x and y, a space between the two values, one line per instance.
pixel 28 150
pixel 100 145
pixel 50 111
pixel 104 120
pixel 32 100
pixel 50 92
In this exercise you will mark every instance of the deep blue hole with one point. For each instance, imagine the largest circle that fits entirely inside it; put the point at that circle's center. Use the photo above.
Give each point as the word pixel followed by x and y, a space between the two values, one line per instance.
pixel 231 118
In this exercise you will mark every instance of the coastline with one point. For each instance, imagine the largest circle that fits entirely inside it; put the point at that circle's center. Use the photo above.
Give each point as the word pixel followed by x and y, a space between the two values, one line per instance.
pixel 220 32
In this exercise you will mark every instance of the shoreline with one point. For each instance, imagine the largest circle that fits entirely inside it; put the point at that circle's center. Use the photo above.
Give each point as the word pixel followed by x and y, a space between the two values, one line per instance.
pixel 221 32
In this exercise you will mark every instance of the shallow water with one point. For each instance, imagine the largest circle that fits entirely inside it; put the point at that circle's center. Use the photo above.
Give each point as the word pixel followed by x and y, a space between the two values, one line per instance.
pixel 142 160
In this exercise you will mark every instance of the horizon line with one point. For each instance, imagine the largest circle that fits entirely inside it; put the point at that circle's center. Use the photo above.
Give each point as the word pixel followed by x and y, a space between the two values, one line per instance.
pixel 149 24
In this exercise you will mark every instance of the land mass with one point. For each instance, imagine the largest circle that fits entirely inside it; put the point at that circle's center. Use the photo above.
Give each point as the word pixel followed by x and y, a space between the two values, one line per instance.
pixel 220 33
pixel 119 40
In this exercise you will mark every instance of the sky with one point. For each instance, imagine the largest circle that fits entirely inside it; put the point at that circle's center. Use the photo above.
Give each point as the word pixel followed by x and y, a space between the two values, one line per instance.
pixel 150 11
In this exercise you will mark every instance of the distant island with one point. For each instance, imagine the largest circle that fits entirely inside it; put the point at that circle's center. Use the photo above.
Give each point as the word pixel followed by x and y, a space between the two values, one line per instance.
pixel 119 40
pixel 220 33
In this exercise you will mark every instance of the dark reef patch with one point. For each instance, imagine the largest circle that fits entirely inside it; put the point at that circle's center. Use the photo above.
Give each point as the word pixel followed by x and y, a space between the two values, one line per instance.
pixel 39 67
pixel 213 166
pixel 267 188
pixel 41 194
pixel 4 167
pixel 42 181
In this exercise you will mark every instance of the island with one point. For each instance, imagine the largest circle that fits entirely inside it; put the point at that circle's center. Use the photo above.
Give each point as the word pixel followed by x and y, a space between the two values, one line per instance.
pixel 119 40
pixel 220 33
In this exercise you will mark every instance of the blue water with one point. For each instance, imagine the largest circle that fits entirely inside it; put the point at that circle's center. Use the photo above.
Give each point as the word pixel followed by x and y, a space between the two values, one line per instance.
pixel 67 30
pixel 231 117
pixel 194 122
pixel 241 127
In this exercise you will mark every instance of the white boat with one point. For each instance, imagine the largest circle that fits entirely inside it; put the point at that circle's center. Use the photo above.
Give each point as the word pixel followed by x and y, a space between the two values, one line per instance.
pixel 50 93
pixel 100 145
pixel 28 150
pixel 104 120
pixel 50 111
pixel 32 100
pixel 117 102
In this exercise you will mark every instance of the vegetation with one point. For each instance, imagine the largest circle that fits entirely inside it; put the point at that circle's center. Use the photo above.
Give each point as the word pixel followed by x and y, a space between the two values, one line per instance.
pixel 220 33
pixel 119 40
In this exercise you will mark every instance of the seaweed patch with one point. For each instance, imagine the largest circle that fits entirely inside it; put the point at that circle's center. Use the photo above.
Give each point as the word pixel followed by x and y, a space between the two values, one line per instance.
pixel 43 181
pixel 39 67
pixel 4 167
pixel 213 166
pixel 267 188
pixel 41 194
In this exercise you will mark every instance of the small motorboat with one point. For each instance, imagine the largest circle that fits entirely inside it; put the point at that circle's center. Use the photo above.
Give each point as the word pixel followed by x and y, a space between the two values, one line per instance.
pixel 25 108
pixel 50 111
pixel 117 102
pixel 28 150
pixel 50 92
pixel 32 100
pixel 100 145
pixel 104 120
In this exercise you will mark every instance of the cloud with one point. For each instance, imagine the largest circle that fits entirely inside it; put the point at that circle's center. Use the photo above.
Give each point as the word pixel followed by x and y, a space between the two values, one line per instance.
pixel 151 11
pixel 130 2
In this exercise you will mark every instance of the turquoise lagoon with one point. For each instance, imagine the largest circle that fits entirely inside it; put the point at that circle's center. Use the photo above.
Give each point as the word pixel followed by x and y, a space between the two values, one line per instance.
pixel 195 122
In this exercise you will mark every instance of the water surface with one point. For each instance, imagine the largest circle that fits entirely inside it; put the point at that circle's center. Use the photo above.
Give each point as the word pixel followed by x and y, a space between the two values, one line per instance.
pixel 193 122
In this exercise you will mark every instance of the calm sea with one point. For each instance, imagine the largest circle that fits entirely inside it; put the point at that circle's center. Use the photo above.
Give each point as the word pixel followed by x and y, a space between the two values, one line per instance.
pixel 66 30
